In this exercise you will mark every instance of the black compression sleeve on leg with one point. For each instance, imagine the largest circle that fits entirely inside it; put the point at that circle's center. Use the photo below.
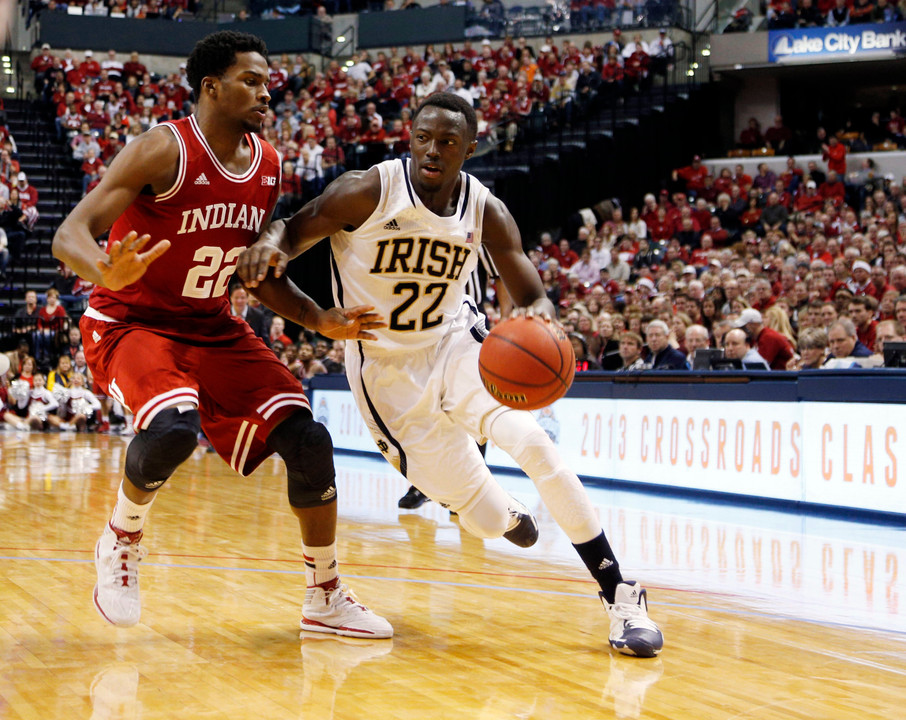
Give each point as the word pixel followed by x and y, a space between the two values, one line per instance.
pixel 307 450
pixel 155 453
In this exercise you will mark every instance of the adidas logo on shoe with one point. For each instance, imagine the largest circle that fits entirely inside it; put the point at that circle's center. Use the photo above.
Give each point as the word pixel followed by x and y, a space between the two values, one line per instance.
pixel 392 225
pixel 202 180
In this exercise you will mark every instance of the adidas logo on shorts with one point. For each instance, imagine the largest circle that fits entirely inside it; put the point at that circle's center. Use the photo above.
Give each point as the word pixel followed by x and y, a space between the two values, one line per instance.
pixel 392 225
pixel 201 180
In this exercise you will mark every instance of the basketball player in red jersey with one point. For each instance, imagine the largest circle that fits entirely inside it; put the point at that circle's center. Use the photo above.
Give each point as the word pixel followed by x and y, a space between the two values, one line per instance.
pixel 159 335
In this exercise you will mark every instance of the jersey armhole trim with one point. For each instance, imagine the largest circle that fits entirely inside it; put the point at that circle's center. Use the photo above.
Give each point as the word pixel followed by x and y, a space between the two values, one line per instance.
pixel 181 174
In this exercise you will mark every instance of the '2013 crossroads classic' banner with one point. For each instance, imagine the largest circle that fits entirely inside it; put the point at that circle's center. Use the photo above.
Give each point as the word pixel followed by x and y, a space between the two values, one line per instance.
pixel 870 42
pixel 850 455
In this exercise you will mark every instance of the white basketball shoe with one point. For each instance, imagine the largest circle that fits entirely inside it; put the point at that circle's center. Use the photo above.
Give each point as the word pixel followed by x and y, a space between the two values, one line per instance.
pixel 336 610
pixel 116 558
pixel 632 632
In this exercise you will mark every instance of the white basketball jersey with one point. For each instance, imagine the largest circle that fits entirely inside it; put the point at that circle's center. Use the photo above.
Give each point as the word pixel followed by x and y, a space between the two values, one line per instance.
pixel 409 263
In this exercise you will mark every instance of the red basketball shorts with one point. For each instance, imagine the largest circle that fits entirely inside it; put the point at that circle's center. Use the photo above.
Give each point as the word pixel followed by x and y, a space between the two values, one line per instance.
pixel 242 391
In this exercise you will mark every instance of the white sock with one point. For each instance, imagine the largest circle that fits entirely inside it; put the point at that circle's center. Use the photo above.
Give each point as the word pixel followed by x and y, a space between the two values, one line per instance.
pixel 320 564
pixel 127 515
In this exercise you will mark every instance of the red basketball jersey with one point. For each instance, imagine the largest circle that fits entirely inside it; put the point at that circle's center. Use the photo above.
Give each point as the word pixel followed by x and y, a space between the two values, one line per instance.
pixel 210 216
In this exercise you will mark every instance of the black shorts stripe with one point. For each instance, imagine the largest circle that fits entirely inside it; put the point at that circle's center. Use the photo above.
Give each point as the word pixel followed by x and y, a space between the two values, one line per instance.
pixel 377 418
pixel 479 330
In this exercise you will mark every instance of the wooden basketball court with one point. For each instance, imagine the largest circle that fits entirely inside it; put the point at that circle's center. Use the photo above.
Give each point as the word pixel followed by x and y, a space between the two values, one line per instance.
pixel 765 615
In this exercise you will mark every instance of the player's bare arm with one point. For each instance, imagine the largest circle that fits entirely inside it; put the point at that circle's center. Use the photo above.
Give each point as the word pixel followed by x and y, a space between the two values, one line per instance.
pixel 346 203
pixel 149 161
pixel 285 298
pixel 500 235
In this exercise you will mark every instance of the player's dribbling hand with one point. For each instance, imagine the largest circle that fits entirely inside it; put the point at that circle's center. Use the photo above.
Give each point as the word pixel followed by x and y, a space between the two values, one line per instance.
pixel 125 263
pixel 263 255
pixel 350 323
pixel 540 308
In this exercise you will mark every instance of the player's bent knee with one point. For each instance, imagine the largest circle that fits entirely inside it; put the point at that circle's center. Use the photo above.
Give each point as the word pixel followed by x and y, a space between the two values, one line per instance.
pixel 486 514
pixel 156 452
pixel 307 450
pixel 484 525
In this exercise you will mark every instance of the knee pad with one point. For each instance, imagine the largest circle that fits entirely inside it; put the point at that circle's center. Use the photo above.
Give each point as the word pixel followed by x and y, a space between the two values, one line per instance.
pixel 307 450
pixel 155 453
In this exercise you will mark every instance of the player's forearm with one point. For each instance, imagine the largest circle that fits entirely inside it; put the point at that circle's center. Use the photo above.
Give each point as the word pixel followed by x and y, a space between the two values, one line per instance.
pixel 298 237
pixel 285 298
pixel 74 246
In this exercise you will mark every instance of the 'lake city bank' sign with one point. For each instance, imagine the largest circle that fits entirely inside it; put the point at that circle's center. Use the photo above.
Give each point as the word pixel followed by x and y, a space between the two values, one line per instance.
pixel 838 43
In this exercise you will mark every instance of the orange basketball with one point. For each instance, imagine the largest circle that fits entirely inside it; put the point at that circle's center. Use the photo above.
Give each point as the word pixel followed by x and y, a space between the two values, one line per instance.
pixel 527 363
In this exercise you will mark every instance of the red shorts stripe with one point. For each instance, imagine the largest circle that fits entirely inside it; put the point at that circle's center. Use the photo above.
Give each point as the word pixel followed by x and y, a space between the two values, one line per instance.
pixel 149 410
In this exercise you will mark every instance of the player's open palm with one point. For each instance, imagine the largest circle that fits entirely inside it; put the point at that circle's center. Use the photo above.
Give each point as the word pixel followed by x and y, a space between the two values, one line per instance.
pixel 126 263
pixel 350 323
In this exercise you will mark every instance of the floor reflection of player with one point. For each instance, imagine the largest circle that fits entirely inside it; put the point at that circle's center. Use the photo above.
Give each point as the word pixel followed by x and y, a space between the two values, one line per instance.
pixel 326 663
pixel 627 684
pixel 160 338
pixel 402 235
pixel 114 693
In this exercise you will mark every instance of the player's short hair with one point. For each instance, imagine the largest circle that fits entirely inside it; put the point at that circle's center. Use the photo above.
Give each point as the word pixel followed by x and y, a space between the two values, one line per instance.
pixel 213 55
pixel 454 103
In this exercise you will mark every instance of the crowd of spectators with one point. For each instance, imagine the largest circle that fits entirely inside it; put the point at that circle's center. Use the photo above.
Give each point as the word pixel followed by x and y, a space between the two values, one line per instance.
pixel 18 201
pixel 877 132
pixel 781 272
pixel 788 14
pixel 137 9
pixel 349 117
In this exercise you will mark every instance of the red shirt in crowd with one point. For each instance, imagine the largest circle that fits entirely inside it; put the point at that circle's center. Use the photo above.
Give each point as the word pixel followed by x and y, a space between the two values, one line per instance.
pixel 774 348
pixel 835 157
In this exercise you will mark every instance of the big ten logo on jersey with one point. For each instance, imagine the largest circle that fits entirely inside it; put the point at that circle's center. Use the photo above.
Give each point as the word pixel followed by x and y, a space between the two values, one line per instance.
pixel 269 180
pixel 426 257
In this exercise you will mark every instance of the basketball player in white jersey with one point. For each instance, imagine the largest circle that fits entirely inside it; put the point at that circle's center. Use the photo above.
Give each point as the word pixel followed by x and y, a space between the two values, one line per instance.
pixel 404 237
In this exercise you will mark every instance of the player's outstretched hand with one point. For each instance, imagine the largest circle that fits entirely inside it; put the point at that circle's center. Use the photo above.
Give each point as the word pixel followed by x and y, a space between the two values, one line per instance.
pixel 540 308
pixel 263 255
pixel 126 263
pixel 350 323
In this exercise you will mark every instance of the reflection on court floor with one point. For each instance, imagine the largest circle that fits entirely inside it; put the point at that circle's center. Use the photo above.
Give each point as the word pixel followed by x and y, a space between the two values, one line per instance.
pixel 770 562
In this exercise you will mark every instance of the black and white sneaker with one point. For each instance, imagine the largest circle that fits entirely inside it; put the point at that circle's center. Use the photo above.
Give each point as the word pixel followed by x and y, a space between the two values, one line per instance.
pixel 523 528
pixel 632 632
pixel 413 499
